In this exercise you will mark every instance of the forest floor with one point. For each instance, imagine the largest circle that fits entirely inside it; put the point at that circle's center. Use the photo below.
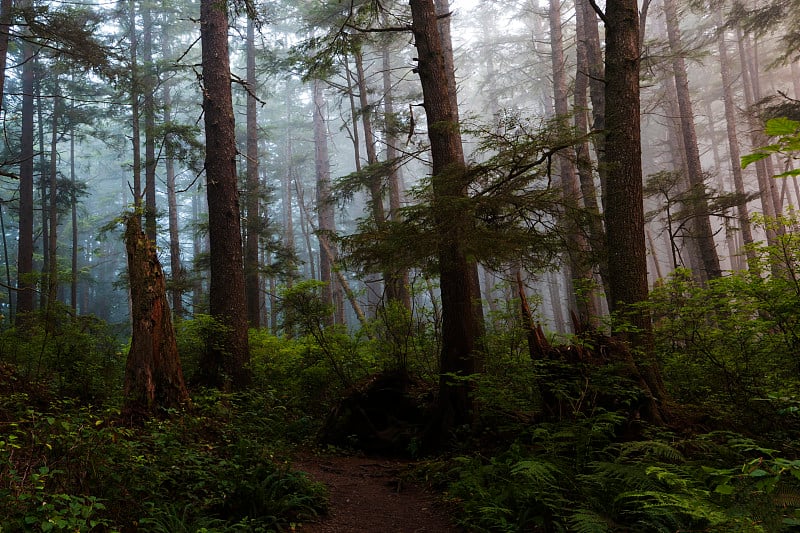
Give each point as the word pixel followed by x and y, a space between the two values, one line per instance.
pixel 369 495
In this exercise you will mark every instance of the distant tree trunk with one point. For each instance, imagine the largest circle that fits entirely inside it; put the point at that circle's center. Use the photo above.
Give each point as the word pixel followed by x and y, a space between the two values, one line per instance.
pixel 43 172
pixel 153 376
pixel 149 110
pixel 580 271
pixel 227 356
pixel 459 328
pixel 73 201
pixel 198 304
pixel 325 213
pixel 397 283
pixel 25 284
pixel 52 244
pixel 733 139
pixel 750 96
pixel 6 18
pixel 624 208
pixel 253 227
pixel 583 159
pixel 699 202
pixel 590 37
pixel 135 115
pixel 176 266
pixel 288 185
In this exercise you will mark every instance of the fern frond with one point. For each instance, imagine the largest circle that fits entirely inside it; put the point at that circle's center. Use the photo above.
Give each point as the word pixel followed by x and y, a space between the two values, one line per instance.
pixel 651 449
pixel 587 521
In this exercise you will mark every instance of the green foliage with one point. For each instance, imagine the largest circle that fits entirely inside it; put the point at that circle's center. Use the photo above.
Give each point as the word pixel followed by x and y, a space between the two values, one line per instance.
pixel 74 469
pixel 787 132
pixel 77 357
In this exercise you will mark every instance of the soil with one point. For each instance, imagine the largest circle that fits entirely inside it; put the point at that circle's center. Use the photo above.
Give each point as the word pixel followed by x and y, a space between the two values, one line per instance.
pixel 368 495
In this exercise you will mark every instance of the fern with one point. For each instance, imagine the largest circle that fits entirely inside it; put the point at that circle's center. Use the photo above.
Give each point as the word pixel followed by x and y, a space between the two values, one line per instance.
pixel 588 521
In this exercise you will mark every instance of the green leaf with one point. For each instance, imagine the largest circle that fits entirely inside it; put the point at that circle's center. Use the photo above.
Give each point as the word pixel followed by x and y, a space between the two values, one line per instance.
pixel 724 489
pixel 752 158
pixel 781 126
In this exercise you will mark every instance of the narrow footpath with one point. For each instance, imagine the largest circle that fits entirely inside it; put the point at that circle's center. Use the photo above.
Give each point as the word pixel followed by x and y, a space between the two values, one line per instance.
pixel 367 495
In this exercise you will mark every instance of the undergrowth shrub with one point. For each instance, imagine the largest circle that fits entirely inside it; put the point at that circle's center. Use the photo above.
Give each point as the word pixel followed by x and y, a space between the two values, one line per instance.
pixel 73 468
pixel 577 476
pixel 76 357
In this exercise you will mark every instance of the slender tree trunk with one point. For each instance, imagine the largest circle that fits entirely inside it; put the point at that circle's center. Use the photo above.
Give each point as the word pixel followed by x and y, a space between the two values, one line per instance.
pixel 288 184
pixel 73 292
pixel 176 266
pixel 149 111
pixel 6 7
pixel 733 141
pixel 580 271
pixel 25 283
pixel 325 213
pixel 228 355
pixel 701 221
pixel 251 266
pixel 583 158
pixel 52 244
pixel 397 284
pixel 459 327
pixel 764 180
pixel 590 37
pixel 135 93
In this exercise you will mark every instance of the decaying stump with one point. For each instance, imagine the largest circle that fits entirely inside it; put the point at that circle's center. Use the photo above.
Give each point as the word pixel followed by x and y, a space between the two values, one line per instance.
pixel 153 375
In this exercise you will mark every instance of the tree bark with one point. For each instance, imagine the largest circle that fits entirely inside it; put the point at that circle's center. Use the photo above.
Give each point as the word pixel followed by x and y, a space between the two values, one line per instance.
pixel 459 328
pixel 153 375
pixel 25 283
pixel 624 209
pixel 226 359
pixel 251 266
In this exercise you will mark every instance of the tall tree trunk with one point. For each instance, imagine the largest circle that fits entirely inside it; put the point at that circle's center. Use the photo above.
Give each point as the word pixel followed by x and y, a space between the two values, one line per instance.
pixel 733 140
pixel 590 37
pixel 176 266
pixel 52 244
pixel 6 17
pixel 153 376
pixel 25 284
pixel 583 159
pixel 251 266
pixel 701 222
pixel 325 213
pixel 764 180
pixel 397 282
pixel 228 355
pixel 443 27
pixel 624 209
pixel 459 328
pixel 135 114
pixel 73 201
pixel 288 185
pixel 149 111
pixel 580 271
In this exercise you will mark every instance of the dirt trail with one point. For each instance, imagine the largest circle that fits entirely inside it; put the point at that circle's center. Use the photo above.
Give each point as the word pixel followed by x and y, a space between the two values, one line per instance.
pixel 368 496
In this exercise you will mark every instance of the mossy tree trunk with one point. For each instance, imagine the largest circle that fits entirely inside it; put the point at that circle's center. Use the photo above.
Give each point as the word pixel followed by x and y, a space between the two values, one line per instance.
pixel 153 375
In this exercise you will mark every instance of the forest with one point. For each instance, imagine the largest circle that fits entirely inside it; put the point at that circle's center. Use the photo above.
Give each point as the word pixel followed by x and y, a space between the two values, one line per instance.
pixel 378 265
